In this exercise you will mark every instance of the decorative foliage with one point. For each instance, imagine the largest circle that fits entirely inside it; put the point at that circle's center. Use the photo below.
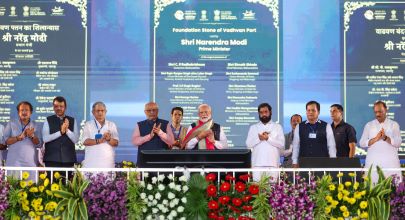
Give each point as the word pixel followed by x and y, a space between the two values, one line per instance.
pixel 106 197
pixel 72 205
pixel 261 206
pixel 135 204
pixel 378 196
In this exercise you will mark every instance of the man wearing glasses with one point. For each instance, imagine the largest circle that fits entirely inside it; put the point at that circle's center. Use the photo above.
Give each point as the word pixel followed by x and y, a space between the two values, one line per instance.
pixel 153 133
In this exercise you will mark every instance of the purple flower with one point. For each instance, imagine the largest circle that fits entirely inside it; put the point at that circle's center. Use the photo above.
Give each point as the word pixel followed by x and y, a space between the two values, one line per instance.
pixel 4 188
pixel 397 199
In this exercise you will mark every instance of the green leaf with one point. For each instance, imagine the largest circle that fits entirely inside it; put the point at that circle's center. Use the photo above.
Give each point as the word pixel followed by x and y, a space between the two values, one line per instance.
pixel 61 204
pixel 83 210
pixel 83 187
pixel 64 194
pixel 72 205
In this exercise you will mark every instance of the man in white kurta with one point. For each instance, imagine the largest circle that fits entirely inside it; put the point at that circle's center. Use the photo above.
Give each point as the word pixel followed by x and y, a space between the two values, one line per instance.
pixel 266 140
pixel 382 138
pixel 100 138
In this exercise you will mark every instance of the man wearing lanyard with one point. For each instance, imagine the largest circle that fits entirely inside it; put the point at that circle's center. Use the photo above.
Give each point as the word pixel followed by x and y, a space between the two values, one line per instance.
pixel 313 137
pixel 60 133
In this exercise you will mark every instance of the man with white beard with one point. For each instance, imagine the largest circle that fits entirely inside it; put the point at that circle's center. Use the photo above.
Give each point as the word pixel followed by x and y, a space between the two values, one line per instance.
pixel 205 134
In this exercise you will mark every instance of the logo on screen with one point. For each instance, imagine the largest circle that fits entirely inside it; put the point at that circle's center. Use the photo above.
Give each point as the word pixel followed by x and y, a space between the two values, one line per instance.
pixel 179 15
pixel 369 15
pixel 12 11
pixel 217 14
pixel 26 11
pixel 57 11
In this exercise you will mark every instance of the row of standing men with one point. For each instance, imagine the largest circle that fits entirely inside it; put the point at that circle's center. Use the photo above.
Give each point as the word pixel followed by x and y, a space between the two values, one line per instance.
pixel 311 138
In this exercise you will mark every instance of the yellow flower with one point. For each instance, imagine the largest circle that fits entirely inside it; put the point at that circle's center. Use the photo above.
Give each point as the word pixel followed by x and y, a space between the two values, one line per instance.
pixel 31 214
pixel 363 204
pixel 333 218
pixel 23 184
pixel 46 182
pixel 15 218
pixel 340 196
pixel 25 208
pixel 348 183
pixel 124 162
pixel 356 185
pixel 340 218
pixel 365 178
pixel 34 189
pixel 41 188
pixel 340 187
pixel 343 208
pixel 42 176
pixel 345 192
pixel 355 218
pixel 329 198
pixel 25 202
pixel 56 175
pixel 49 192
pixel 357 195
pixel 363 192
pixel 352 174
pixel 332 187
pixel 339 175
pixel 30 182
pixel 352 201
pixel 346 214
pixel 364 215
pixel 327 210
pixel 22 194
pixel 130 163
pixel 25 175
pixel 50 206
pixel 54 187
pixel 345 198
pixel 334 203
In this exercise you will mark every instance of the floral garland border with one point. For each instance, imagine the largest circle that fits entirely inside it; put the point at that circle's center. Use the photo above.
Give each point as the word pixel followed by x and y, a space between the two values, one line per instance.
pixel 350 7
pixel 159 7
pixel 272 5
pixel 81 6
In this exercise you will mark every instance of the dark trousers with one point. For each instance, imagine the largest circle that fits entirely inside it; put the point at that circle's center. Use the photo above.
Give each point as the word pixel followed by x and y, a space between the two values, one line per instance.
pixel 62 173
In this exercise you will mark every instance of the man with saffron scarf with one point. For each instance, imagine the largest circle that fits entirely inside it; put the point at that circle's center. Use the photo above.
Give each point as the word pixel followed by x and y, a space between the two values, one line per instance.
pixel 205 134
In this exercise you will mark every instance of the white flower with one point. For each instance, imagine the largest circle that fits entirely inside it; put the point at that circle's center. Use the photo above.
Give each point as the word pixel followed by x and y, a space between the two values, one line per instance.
pixel 143 195
pixel 184 200
pixel 178 188
pixel 173 213
pixel 183 218
pixel 149 187
pixel 170 217
pixel 176 201
pixel 171 205
pixel 172 185
pixel 142 183
pixel 165 210
pixel 161 187
pixel 158 196
pixel 154 179
pixel 171 195
pixel 161 217
pixel 144 210
pixel 161 177
pixel 145 200
pixel 185 188
pixel 149 217
pixel 155 210
pixel 160 206
pixel 183 178
pixel 165 202
pixel 180 209
pixel 170 177
pixel 154 202
pixel 150 197
pixel 145 175
pixel 149 204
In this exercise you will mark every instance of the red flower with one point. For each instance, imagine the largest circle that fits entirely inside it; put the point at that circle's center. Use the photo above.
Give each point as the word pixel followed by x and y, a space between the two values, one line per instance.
pixel 243 218
pixel 237 201
pixel 224 199
pixel 211 190
pixel 229 177
pixel 212 215
pixel 210 177
pixel 231 218
pixel 225 186
pixel 254 189
pixel 244 177
pixel 236 210
pixel 213 204
pixel 240 187
pixel 247 208
pixel 221 218
pixel 246 198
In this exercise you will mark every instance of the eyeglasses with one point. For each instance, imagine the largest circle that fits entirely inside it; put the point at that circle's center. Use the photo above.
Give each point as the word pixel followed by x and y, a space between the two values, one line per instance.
pixel 151 110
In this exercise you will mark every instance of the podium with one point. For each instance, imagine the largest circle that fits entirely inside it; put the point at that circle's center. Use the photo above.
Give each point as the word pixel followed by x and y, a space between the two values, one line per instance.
pixel 227 158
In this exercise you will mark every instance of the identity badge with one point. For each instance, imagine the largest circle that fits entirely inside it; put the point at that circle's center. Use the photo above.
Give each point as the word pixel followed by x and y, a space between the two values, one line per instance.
pixel 98 136
pixel 312 135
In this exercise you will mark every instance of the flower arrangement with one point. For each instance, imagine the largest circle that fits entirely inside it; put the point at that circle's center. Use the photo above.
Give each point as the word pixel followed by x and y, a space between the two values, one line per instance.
pixel 32 200
pixel 125 164
pixel 164 200
pixel 4 189
pixel 106 197
pixel 348 199
pixel 397 202
pixel 288 199
pixel 232 199
pixel 135 204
